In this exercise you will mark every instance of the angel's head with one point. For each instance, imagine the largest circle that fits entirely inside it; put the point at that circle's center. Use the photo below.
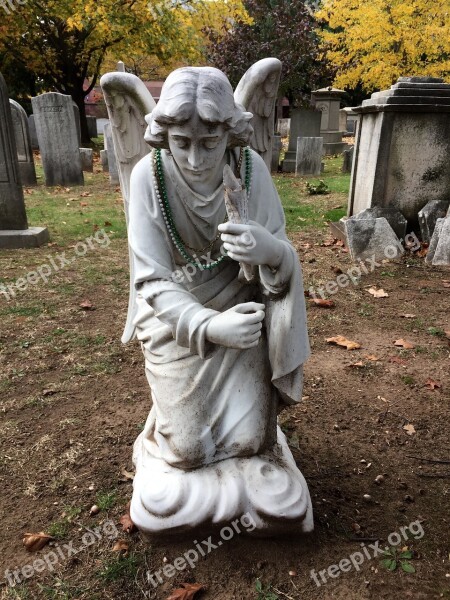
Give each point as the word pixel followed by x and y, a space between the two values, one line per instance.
pixel 202 92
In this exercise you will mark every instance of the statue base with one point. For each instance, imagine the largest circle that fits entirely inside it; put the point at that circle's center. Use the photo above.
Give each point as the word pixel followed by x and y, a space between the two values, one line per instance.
pixel 267 488
pixel 33 237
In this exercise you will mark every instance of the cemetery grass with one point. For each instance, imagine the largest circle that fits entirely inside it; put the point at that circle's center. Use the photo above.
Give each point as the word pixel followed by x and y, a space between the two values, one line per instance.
pixel 73 400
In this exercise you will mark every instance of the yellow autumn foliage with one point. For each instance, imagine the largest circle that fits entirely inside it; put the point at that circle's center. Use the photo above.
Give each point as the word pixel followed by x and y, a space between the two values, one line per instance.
pixel 374 42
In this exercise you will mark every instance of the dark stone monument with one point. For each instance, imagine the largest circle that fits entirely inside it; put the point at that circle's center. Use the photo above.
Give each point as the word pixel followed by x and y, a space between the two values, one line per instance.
pixel 305 122
pixel 23 144
pixel 14 230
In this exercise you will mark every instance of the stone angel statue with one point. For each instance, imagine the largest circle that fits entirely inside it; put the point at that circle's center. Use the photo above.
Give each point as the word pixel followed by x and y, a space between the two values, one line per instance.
pixel 223 353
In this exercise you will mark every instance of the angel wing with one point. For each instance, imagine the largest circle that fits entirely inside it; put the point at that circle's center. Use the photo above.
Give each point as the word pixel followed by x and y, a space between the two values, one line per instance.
pixel 128 101
pixel 257 91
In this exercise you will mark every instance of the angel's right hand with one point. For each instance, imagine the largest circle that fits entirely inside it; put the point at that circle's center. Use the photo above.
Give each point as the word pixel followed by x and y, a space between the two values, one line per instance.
pixel 238 327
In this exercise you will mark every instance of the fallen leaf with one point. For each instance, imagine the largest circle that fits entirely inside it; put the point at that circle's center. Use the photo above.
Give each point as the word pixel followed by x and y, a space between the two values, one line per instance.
pixel 85 194
pixel 446 283
pixel 323 303
pixel 404 344
pixel 87 305
pixel 108 224
pixel 84 204
pixel 187 591
pixel 36 541
pixel 371 357
pixel 432 385
pixel 127 524
pixel 378 293
pixel 447 333
pixel 121 546
pixel 397 360
pixel 409 429
pixel 340 340
pixel 127 475
pixel 357 365
pixel 408 316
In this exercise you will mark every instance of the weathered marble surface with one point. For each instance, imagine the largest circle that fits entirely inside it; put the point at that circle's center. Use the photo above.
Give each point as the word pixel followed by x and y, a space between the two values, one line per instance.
pixel 58 139
pixel 23 144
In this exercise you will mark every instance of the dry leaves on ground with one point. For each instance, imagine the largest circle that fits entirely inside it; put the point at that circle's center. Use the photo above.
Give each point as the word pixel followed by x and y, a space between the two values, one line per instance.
pixel 409 428
pixel 340 340
pixel 432 385
pixel 121 546
pixel 127 524
pixel 323 303
pixel 408 316
pixel 397 360
pixel 401 343
pixel 187 591
pixel 34 542
pixel 87 305
pixel 378 293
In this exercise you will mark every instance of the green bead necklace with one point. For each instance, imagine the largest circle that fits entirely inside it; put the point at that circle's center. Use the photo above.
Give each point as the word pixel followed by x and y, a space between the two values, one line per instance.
pixel 163 199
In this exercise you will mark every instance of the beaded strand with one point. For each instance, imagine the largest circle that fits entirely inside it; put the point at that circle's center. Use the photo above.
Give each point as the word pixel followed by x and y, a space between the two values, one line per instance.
pixel 163 200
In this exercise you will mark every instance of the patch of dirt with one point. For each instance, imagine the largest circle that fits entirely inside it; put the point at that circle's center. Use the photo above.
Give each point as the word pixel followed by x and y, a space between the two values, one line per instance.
pixel 74 399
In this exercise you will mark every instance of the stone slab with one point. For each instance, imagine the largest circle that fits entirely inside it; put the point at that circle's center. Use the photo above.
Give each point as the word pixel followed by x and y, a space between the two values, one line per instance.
pixel 348 160
pixel 428 216
pixel 276 151
pixel 33 133
pixel 24 238
pixel 112 161
pixel 104 160
pixel 309 156
pixel 58 139
pixel 372 239
pixel 23 144
pixel 12 203
pixel 92 126
pixel 442 255
pixel 434 241
pixel 392 215
pixel 87 159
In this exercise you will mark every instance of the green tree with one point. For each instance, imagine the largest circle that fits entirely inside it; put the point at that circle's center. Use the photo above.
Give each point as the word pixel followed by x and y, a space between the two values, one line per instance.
pixel 64 42
pixel 284 29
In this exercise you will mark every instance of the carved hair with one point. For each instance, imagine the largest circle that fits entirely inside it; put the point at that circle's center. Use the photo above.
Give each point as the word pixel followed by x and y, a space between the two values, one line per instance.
pixel 202 89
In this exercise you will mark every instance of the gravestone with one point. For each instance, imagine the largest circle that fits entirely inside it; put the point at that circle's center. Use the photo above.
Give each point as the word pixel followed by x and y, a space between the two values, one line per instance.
pixel 277 144
pixel 112 162
pixel 442 255
pixel 305 122
pixel 87 159
pixel 348 160
pixel 92 126
pixel 283 127
pixel 14 230
pixel 327 101
pixel 33 134
pixel 372 239
pixel 58 139
pixel 402 148
pixel 76 112
pixel 434 241
pixel 309 156
pixel 104 160
pixel 23 144
pixel 428 216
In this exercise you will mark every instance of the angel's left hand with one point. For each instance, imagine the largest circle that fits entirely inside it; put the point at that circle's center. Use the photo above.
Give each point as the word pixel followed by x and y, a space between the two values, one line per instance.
pixel 251 244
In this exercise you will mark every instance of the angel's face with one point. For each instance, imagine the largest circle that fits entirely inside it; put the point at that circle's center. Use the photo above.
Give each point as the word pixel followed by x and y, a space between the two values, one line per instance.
pixel 199 150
